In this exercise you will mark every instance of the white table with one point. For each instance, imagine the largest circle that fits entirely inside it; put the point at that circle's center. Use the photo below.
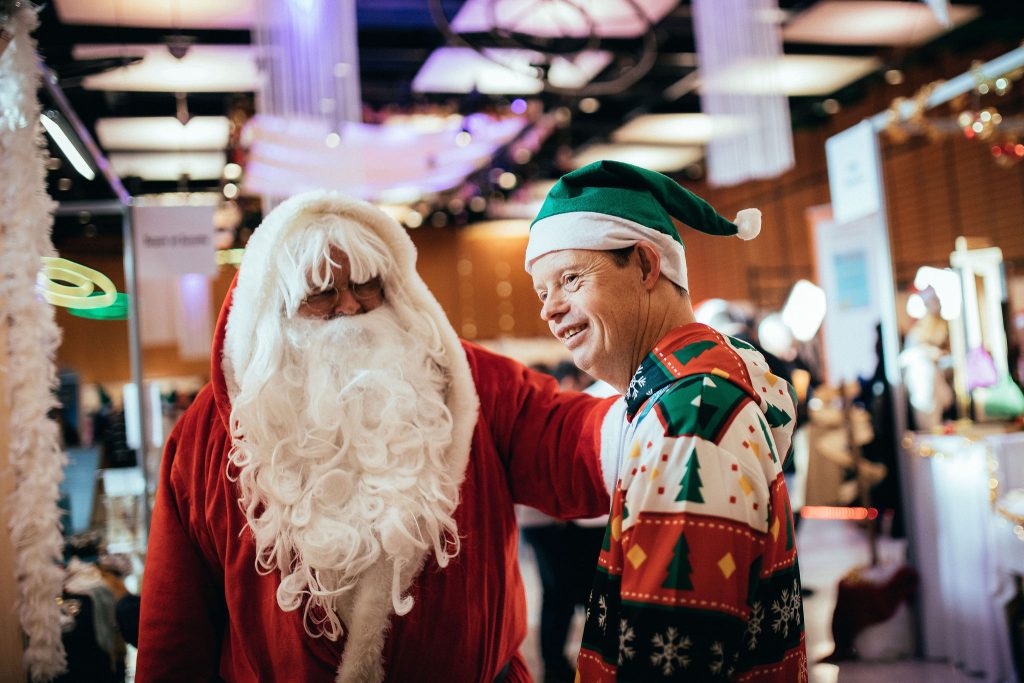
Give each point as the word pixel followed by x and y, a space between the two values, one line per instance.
pixel 966 553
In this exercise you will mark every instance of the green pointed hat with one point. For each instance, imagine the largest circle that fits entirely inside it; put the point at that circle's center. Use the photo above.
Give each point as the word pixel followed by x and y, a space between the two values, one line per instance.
pixel 610 205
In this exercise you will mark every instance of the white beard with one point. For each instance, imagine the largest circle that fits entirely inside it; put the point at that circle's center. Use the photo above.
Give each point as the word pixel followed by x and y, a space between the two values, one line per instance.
pixel 340 452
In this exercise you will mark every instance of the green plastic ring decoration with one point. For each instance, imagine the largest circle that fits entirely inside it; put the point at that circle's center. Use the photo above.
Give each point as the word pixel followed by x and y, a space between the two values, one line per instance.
pixel 116 311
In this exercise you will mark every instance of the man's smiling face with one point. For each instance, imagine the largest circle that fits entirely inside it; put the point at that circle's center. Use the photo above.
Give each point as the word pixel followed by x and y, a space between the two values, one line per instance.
pixel 590 305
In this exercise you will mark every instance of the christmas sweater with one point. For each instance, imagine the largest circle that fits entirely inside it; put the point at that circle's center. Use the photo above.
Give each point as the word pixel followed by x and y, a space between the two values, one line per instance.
pixel 697 578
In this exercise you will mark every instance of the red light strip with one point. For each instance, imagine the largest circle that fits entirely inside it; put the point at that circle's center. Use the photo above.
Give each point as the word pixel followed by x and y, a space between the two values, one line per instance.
pixel 829 512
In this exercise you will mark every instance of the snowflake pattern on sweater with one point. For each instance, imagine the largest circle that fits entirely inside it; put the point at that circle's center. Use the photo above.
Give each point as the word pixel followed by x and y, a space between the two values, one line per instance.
pixel 698 577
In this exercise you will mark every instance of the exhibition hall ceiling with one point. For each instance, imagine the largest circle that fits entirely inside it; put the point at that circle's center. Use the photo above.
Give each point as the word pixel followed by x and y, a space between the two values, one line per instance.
pixel 160 84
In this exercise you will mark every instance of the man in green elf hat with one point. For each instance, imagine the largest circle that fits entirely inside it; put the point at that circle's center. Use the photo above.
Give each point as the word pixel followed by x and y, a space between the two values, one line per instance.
pixel 697 578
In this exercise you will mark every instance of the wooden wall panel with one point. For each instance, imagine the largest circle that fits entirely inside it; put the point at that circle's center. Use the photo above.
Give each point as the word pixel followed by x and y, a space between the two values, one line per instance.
pixel 98 349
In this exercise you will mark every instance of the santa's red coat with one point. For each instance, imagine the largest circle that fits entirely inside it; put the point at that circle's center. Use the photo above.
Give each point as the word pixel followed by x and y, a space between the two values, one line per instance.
pixel 207 614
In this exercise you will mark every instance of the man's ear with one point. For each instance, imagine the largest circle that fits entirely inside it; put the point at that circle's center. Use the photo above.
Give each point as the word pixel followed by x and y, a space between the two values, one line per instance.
pixel 650 263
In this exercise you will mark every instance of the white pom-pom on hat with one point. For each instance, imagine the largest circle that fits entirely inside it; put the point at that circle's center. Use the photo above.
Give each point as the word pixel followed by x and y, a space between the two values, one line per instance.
pixel 748 224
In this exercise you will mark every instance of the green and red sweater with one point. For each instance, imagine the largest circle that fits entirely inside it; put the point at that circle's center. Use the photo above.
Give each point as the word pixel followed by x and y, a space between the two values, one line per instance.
pixel 697 579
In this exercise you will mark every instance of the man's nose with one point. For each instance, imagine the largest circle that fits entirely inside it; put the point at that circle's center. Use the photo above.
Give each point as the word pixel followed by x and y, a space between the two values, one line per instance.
pixel 553 308
pixel 347 303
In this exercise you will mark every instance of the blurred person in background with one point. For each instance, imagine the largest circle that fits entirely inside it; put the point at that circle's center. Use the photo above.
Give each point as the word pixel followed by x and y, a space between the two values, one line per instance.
pixel 566 554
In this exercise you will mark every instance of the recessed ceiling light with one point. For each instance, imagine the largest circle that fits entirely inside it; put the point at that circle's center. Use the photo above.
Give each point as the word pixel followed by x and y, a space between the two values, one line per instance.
pixel 168 165
pixel 206 68
pixel 847 22
pixel 605 18
pixel 223 14
pixel 793 75
pixel 163 133
pixel 661 158
pixel 676 129
pixel 504 71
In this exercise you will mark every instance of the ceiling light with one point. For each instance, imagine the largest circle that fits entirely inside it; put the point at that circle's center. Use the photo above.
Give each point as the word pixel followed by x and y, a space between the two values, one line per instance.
pixel 893 76
pixel 168 165
pixel 677 129
pixel 504 71
pixel 232 171
pixel 206 68
pixel 792 75
pixel 605 18
pixel 223 14
pixel 413 219
pixel 874 22
pixel 230 190
pixel 162 133
pixel 661 158
pixel 804 310
pixel 589 105
pixel 67 148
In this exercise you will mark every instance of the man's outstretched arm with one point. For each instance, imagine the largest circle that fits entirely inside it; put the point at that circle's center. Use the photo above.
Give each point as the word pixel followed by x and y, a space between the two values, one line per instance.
pixel 550 441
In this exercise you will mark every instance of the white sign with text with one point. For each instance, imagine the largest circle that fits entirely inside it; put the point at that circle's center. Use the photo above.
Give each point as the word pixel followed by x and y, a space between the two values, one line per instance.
pixel 173 240
pixel 853 173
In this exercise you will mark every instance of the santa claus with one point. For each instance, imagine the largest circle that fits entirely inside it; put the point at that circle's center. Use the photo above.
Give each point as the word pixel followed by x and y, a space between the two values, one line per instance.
pixel 337 504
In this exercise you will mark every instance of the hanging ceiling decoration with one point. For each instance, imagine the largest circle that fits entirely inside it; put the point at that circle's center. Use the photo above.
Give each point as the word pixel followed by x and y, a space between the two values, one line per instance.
pixel 556 32
pixel 739 35
pixel 973 118
pixel 378 162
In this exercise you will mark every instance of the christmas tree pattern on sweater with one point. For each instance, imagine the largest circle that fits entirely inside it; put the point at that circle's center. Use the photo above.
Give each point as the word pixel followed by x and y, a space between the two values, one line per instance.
pixel 697 578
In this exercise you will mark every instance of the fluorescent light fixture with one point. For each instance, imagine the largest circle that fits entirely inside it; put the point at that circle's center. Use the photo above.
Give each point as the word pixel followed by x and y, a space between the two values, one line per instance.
pixel 677 129
pixel 804 310
pixel 223 14
pixel 504 71
pixel 606 18
pixel 205 68
pixel 661 158
pixel 67 148
pixel 163 133
pixel 946 284
pixel 846 22
pixel 169 165
pixel 792 75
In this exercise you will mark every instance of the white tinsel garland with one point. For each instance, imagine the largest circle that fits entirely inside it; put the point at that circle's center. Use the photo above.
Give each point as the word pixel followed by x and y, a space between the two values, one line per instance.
pixel 32 339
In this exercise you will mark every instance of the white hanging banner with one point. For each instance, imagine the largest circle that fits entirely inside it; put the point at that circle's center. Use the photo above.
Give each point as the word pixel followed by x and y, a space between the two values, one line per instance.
pixel 194 316
pixel 850 263
pixel 174 240
pixel 743 36
pixel 156 311
pixel 854 168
